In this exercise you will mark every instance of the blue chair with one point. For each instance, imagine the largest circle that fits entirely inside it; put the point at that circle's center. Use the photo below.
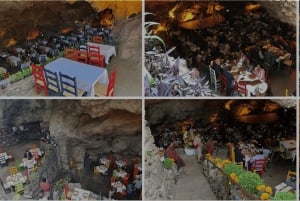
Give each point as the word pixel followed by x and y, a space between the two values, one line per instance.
pixel 52 83
pixel 68 86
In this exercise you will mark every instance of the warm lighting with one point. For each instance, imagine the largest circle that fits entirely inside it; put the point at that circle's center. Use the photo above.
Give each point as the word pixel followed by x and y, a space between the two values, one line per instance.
pixel 243 110
pixel 11 42
pixel 172 11
pixel 271 107
pixel 228 104
pixel 32 35
pixel 211 8
pixel 213 118
pixel 160 27
pixel 2 32
pixel 251 7
pixel 66 30
pixel 218 7
pixel 187 15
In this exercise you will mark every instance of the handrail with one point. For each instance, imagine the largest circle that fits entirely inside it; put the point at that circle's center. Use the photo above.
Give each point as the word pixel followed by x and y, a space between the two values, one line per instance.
pixel 245 192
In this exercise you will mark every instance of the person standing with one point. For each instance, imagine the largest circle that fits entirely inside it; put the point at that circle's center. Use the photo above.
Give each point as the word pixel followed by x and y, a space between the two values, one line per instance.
pixel 198 146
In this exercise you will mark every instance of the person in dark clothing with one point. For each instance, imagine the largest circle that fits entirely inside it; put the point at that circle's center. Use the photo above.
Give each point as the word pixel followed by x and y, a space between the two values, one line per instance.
pixel 217 66
pixel 230 80
pixel 28 155
pixel 238 155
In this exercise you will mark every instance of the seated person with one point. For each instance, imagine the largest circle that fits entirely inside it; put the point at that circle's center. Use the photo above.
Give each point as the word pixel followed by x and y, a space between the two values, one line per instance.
pixel 28 155
pixel 238 155
pixel 209 146
pixel 230 79
pixel 242 61
pixel 45 188
pixel 260 72
pixel 171 153
pixel 217 66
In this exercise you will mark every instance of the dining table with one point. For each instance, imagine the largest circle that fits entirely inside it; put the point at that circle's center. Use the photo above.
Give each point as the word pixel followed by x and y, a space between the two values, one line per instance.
pixel 86 75
pixel 106 50
pixel 253 83
pixel 15 179
pixel 289 146
pixel 120 173
pixel 118 186
pixel 80 194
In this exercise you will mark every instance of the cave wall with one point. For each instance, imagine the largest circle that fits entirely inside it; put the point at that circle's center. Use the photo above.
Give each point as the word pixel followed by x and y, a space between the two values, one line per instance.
pixel 170 111
pixel 99 126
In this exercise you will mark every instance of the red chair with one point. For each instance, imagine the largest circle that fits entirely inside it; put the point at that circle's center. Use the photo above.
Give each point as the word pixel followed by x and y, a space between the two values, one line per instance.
pixel 94 49
pixel 242 88
pixel 82 56
pixel 39 79
pixel 71 53
pixel 259 167
pixel 106 90
pixel 96 59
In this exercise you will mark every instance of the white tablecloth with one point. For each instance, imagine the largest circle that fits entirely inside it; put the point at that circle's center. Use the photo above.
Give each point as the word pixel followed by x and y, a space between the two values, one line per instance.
pixel 80 194
pixel 86 75
pixel 119 186
pixel 106 50
pixel 15 179
pixel 288 144
pixel 252 89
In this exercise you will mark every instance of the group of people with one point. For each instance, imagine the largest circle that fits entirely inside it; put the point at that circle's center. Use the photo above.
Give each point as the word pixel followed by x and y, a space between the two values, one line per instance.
pixel 243 64
pixel 194 140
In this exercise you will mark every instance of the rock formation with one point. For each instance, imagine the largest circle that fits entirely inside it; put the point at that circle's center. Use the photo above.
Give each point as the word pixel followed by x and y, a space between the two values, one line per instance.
pixel 96 126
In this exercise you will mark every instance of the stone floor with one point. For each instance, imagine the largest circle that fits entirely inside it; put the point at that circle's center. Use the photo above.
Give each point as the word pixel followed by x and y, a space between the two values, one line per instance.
pixel 193 185
pixel 18 152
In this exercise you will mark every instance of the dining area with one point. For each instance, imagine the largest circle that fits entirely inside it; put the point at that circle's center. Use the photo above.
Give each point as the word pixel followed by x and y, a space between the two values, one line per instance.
pixel 236 79
pixel 79 72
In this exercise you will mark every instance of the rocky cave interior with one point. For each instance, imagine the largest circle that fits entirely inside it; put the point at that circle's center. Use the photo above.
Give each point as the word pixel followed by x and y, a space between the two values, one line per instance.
pixel 100 128
pixel 167 120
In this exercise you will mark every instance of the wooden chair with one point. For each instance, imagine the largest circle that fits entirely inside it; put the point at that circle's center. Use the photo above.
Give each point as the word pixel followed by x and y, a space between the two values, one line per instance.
pixel 96 59
pixel 106 90
pixel 93 49
pixel 39 79
pixel 13 170
pixel 213 78
pixel 259 167
pixel 82 56
pixel 52 83
pixel 291 174
pixel 71 53
pixel 97 39
pixel 68 86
